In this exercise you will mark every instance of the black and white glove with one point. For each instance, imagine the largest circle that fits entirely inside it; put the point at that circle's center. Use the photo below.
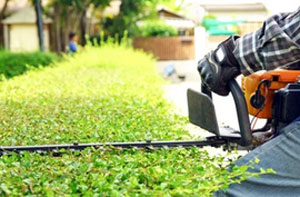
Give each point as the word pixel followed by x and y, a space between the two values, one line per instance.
pixel 220 66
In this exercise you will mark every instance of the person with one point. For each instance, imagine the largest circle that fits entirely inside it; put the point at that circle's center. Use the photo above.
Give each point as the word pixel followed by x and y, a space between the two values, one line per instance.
pixel 72 45
pixel 275 44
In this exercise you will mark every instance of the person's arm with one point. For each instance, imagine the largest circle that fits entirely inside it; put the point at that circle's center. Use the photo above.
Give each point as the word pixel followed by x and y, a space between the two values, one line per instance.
pixel 276 44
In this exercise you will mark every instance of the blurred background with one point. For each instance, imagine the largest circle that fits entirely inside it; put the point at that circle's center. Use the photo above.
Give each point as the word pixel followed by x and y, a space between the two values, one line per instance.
pixel 167 28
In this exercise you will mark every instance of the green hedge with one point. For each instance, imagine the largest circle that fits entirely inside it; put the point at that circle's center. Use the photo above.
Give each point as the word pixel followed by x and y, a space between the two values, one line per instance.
pixel 103 94
pixel 13 64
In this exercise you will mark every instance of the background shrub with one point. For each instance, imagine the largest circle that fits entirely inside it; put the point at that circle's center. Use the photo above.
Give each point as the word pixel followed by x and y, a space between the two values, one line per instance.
pixel 13 64
pixel 157 28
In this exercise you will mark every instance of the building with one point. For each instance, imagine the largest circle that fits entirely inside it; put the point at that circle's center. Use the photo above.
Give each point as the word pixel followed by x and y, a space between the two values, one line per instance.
pixel 184 25
pixel 238 18
pixel 252 14
pixel 238 11
pixel 20 31
pixel 179 47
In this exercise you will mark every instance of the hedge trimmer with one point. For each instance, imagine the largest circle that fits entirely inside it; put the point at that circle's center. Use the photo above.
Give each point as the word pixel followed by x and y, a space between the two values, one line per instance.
pixel 271 95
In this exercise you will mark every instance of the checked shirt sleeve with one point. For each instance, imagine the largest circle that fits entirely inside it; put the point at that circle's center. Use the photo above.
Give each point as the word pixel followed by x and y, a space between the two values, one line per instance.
pixel 275 44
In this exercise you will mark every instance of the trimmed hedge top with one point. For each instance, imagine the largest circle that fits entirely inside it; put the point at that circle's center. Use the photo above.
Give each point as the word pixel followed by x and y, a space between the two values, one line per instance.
pixel 101 95
pixel 104 94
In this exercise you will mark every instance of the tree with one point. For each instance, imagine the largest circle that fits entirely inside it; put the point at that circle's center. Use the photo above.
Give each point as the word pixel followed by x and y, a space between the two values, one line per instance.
pixel 2 12
pixel 2 15
pixel 39 23
pixel 173 5
pixel 71 16
pixel 132 11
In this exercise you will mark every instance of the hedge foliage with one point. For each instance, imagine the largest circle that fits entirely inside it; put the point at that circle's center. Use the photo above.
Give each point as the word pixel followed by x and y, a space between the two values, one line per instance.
pixel 104 94
pixel 157 29
pixel 13 64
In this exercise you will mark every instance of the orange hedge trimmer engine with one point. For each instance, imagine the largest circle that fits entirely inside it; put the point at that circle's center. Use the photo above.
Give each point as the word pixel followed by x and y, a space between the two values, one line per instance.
pixel 268 96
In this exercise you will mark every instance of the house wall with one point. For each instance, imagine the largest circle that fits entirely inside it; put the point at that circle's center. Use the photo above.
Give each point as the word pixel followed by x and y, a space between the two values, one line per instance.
pixel 213 42
pixel 252 15
pixel 253 21
pixel 253 18
pixel 249 27
pixel 24 37
pixel 168 48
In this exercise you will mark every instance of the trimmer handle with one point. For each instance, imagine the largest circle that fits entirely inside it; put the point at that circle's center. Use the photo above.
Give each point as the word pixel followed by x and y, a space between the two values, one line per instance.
pixel 241 108
pixel 242 113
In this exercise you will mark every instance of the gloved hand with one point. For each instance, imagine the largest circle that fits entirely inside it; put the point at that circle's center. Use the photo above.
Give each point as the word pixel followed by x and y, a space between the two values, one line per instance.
pixel 220 66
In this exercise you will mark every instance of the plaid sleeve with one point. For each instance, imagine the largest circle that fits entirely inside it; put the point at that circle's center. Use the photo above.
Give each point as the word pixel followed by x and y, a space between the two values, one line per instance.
pixel 275 44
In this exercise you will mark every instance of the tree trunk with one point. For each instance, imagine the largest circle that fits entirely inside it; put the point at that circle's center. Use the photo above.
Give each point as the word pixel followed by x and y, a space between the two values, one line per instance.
pixel 83 27
pixel 57 25
pixel 39 23
pixel 66 29
pixel 2 13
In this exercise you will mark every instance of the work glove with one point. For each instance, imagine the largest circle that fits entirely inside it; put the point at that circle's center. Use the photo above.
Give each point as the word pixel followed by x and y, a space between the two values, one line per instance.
pixel 219 66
